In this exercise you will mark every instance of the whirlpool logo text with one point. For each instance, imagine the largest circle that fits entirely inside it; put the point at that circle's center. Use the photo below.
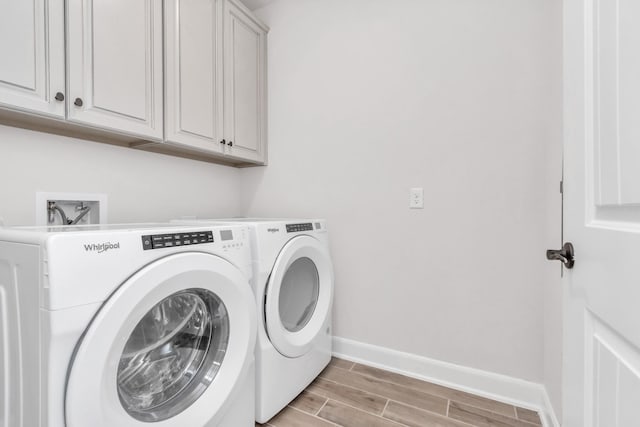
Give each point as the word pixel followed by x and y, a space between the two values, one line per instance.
pixel 101 247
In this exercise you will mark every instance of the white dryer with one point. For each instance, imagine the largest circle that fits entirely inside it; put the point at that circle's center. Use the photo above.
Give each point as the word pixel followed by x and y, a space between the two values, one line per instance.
pixel 293 284
pixel 128 326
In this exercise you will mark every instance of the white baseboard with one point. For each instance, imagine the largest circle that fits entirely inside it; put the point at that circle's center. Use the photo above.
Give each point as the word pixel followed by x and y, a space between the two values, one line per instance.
pixel 487 384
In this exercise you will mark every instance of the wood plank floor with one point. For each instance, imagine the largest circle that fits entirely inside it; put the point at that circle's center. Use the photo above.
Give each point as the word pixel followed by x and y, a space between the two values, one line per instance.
pixel 348 394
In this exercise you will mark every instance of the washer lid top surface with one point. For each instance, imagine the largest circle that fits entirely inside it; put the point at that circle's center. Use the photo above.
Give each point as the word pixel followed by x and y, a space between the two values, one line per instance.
pixel 299 295
pixel 169 347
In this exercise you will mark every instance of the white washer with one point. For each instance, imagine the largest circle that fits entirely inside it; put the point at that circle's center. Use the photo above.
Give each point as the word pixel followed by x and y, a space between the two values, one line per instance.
pixel 128 326
pixel 293 284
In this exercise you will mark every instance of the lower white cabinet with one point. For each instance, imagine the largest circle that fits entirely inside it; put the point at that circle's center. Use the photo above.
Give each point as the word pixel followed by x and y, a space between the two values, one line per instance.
pixel 215 80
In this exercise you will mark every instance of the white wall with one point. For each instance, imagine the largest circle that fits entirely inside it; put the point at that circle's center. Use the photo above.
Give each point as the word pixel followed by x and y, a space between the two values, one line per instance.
pixel 368 98
pixel 140 186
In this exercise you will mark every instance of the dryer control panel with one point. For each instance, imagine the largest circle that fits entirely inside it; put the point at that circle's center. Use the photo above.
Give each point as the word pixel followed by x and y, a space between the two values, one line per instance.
pixel 158 241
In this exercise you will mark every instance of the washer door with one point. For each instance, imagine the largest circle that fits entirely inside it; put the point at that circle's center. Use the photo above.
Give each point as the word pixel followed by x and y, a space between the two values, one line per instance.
pixel 168 347
pixel 299 295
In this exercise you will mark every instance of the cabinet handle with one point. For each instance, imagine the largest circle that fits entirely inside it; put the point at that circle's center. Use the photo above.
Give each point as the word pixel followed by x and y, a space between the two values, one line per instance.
pixel 78 102
pixel 223 142
pixel 230 144
pixel 59 96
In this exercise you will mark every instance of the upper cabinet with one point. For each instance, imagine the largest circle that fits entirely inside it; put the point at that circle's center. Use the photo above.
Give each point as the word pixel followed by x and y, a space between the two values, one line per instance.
pixel 114 65
pixel 245 84
pixel 216 79
pixel 183 77
pixel 109 77
pixel 193 52
pixel 32 52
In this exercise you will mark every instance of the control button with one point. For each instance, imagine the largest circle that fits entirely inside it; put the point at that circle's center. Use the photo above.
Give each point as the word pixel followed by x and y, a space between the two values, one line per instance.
pixel 147 243
pixel 157 245
pixel 168 244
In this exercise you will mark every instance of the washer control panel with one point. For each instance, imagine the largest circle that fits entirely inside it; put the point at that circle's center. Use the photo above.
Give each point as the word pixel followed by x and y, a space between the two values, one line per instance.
pixel 295 228
pixel 158 241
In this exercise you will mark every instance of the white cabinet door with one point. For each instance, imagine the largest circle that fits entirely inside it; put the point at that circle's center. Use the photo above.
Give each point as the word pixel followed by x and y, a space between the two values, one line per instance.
pixel 245 122
pixel 114 72
pixel 32 55
pixel 193 74
pixel 602 207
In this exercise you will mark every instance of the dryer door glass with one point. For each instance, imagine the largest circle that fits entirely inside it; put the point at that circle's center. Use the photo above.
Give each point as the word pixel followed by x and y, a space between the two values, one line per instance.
pixel 299 294
pixel 173 354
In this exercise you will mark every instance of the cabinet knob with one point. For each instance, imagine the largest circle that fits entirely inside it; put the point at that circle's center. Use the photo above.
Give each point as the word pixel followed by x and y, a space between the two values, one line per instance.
pixel 78 102
pixel 223 142
pixel 230 144
pixel 59 96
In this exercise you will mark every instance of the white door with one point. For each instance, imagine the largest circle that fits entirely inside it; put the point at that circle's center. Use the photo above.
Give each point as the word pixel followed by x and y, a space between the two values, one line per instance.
pixel 193 49
pixel 114 72
pixel 299 296
pixel 245 77
pixel 169 347
pixel 602 206
pixel 32 55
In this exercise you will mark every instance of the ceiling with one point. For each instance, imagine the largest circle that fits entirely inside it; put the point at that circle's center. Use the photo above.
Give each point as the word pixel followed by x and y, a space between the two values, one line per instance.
pixel 256 4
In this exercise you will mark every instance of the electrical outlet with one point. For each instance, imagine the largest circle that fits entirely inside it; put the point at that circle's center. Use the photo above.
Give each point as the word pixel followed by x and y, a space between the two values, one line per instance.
pixel 416 198
pixel 70 209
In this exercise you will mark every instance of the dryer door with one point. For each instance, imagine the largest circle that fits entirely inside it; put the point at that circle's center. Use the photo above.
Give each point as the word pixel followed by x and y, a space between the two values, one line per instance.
pixel 299 295
pixel 169 347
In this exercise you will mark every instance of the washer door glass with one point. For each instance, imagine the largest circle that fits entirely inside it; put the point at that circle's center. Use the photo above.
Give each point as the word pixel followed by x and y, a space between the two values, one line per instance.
pixel 173 354
pixel 299 294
